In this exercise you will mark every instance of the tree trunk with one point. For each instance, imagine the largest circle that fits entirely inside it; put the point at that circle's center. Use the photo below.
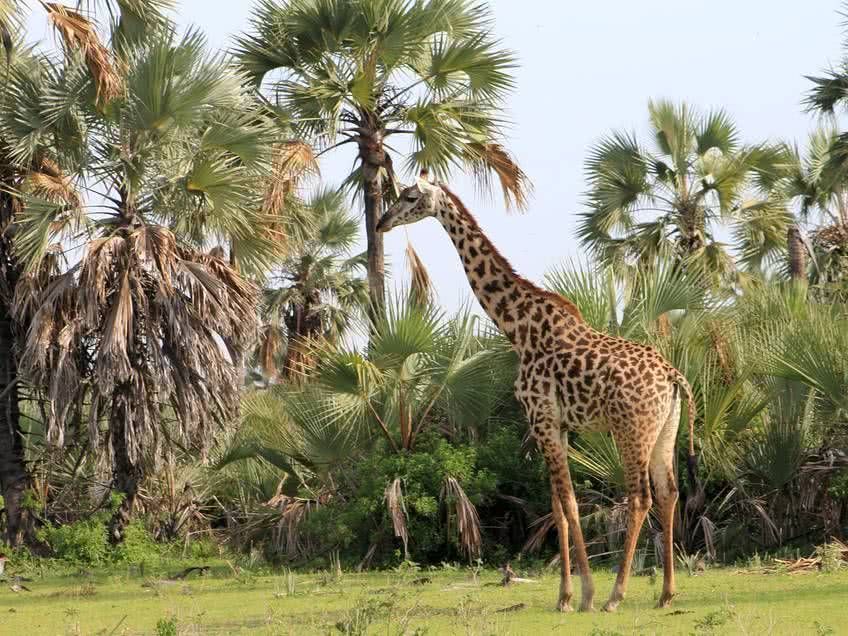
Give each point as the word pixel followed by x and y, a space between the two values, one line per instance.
pixel 13 473
pixel 126 473
pixel 373 157
pixel 303 325
pixel 797 254
pixel 14 476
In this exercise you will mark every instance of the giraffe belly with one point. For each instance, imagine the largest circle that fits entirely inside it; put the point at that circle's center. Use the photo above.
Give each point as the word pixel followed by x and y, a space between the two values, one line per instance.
pixel 584 425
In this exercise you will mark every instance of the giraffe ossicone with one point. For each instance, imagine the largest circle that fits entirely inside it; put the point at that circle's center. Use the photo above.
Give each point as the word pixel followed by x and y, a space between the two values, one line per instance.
pixel 572 378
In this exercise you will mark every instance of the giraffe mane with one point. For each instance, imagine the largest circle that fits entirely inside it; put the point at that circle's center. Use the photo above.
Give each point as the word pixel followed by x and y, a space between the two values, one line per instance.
pixel 555 298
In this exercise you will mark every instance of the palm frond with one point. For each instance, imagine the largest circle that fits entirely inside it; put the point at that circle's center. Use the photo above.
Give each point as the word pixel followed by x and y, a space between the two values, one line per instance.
pixel 79 34
pixel 492 158
pixel 292 161
pixel 421 287
pixel 466 517
pixel 397 510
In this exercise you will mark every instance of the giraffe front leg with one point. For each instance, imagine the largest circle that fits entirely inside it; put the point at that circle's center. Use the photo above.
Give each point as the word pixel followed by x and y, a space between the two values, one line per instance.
pixel 565 586
pixel 569 503
pixel 546 430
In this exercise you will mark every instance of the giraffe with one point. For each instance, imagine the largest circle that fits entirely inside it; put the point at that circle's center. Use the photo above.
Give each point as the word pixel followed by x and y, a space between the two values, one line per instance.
pixel 572 378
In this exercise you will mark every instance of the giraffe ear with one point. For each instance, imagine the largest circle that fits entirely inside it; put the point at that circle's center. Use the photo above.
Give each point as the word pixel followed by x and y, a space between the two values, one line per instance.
pixel 422 181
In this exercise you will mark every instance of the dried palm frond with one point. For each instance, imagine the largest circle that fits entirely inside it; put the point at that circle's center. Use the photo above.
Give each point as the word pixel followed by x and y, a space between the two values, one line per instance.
pixel 79 34
pixel 397 510
pixel 269 344
pixel 32 284
pixel 664 326
pixel 294 510
pixel 492 157
pixel 722 350
pixel 541 527
pixel 467 519
pixel 291 161
pixel 421 288
pixel 140 313
pixel 832 237
pixel 51 184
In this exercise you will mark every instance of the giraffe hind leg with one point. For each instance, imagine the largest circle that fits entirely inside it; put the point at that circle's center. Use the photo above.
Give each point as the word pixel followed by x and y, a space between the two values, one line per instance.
pixel 665 487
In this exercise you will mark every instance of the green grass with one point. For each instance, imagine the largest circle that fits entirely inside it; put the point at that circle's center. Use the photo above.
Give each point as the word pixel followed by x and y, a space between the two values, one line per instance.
pixel 452 602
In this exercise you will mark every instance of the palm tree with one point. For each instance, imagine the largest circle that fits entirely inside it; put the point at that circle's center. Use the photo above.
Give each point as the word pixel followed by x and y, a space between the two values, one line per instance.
pixel 422 372
pixel 316 293
pixel 142 329
pixel 644 201
pixel 364 71
pixel 45 175
pixel 818 182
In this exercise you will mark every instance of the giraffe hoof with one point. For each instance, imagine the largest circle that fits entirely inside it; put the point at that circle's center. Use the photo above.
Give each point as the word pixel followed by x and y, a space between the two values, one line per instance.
pixel 665 601
pixel 564 607
pixel 587 606
pixel 610 606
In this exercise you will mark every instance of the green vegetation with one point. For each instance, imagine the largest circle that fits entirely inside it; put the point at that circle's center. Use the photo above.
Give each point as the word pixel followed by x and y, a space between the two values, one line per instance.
pixel 408 602
pixel 185 378
pixel 370 72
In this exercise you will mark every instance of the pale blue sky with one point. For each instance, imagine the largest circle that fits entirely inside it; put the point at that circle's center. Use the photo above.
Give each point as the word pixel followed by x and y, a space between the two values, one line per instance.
pixel 589 67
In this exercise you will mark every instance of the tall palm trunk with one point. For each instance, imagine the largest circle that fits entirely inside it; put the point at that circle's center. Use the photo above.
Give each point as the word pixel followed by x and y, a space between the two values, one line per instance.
pixel 797 254
pixel 126 472
pixel 373 157
pixel 302 325
pixel 14 476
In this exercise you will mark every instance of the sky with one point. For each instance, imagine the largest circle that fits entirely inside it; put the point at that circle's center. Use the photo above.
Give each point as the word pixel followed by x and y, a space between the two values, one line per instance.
pixel 587 68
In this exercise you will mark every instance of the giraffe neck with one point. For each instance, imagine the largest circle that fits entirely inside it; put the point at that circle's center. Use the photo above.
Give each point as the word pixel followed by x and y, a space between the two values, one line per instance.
pixel 506 297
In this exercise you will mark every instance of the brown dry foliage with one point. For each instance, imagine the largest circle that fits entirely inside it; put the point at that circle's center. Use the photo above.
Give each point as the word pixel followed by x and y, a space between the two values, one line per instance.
pixel 492 157
pixel 269 345
pixel 292 161
pixel 421 285
pixel 142 314
pixel 397 510
pixel 293 511
pixel 50 183
pixel 79 34
pixel 467 519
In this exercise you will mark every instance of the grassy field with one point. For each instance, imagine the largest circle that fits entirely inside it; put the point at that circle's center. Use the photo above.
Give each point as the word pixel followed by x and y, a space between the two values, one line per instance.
pixel 451 602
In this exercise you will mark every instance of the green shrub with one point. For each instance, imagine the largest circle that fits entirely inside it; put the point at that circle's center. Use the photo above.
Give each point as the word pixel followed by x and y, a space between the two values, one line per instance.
pixel 82 543
pixel 138 546
pixel 839 485
pixel 166 626
pixel 204 548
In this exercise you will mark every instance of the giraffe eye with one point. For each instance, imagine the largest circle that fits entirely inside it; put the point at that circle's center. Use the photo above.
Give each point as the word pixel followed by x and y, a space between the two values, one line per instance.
pixel 410 199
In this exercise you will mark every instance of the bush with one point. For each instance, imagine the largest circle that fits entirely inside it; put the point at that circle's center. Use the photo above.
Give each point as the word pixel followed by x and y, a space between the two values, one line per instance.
pixel 138 546
pixel 166 626
pixel 82 543
pixel 362 519
pixel 85 543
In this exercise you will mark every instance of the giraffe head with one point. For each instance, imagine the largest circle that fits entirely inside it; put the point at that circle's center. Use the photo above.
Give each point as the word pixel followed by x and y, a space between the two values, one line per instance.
pixel 414 203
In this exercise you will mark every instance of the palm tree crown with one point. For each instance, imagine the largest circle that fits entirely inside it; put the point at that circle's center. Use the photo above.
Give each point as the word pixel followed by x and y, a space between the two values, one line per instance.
pixel 318 291
pixel 162 149
pixel 643 201
pixel 361 72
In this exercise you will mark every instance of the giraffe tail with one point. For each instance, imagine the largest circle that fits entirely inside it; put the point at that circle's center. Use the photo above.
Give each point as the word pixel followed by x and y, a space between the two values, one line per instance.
pixel 692 461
